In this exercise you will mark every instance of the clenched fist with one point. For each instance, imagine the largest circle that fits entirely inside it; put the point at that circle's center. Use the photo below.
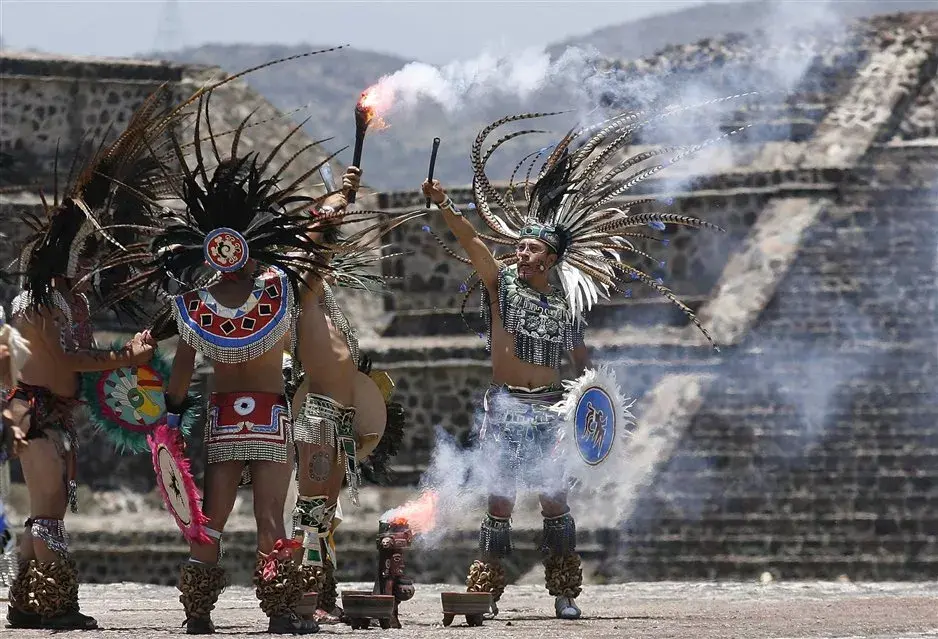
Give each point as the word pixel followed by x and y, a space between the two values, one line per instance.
pixel 434 191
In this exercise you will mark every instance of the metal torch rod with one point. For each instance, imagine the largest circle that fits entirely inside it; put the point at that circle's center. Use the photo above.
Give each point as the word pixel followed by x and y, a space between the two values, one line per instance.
pixel 436 147
pixel 325 172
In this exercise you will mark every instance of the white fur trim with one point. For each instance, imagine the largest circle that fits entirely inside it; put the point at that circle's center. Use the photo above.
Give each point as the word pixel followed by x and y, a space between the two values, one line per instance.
pixel 586 475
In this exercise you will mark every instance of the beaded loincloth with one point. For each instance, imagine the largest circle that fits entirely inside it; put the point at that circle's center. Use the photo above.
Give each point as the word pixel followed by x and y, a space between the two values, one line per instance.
pixel 248 427
pixel 521 433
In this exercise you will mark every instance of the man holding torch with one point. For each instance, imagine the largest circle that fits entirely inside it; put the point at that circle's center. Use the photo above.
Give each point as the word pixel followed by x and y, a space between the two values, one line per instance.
pixel 566 226
pixel 331 379
pixel 324 364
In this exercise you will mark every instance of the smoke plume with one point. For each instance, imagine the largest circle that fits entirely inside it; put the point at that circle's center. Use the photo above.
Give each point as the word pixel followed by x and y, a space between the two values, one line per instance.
pixel 796 38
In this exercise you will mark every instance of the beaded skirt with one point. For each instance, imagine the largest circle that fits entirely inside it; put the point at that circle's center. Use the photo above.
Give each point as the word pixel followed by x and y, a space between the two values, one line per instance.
pixel 248 427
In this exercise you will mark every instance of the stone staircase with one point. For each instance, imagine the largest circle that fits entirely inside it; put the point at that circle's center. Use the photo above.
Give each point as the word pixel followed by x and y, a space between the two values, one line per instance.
pixel 721 490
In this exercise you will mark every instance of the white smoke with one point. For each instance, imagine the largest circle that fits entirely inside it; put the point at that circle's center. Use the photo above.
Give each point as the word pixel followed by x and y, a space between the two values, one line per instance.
pixel 789 45
pixel 470 84
pixel 795 35
pixel 458 99
pixel 460 479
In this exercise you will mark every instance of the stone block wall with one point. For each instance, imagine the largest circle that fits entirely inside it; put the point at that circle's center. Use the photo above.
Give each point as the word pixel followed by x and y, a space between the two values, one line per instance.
pixel 438 387
pixel 69 104
pixel 815 450
pixel 811 76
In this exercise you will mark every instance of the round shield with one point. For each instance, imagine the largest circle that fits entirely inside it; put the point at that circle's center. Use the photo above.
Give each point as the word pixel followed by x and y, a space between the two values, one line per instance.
pixel 594 425
pixel 132 398
pixel 226 250
pixel 171 480
pixel 176 484
pixel 127 404
pixel 371 415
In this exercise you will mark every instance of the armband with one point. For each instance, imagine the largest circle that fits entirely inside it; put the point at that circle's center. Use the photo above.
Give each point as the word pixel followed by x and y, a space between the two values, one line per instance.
pixel 173 420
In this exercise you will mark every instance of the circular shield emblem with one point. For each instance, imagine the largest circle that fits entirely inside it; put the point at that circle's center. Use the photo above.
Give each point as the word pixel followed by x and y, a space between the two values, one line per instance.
pixel 132 398
pixel 595 425
pixel 226 250
pixel 174 487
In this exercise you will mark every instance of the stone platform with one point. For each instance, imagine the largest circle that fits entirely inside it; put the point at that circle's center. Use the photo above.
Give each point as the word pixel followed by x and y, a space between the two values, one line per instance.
pixel 121 536
pixel 659 610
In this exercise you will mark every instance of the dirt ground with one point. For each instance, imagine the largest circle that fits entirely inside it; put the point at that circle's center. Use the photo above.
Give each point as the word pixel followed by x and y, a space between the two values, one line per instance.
pixel 659 610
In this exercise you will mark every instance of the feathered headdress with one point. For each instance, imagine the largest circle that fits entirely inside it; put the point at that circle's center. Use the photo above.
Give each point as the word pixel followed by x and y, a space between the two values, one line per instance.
pixel 105 192
pixel 569 205
pixel 105 207
pixel 238 210
pixel 233 212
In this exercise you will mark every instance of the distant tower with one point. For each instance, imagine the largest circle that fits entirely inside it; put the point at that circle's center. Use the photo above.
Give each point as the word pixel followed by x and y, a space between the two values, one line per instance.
pixel 170 35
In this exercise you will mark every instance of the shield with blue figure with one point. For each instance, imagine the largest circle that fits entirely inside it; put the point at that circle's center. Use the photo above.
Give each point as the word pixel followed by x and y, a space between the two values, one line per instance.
pixel 594 414
pixel 594 425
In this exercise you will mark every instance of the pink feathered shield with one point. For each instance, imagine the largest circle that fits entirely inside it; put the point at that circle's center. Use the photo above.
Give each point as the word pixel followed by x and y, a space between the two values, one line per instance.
pixel 177 486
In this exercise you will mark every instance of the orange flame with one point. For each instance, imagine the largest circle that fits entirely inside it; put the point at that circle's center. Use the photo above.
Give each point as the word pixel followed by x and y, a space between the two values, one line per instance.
pixel 373 102
pixel 419 514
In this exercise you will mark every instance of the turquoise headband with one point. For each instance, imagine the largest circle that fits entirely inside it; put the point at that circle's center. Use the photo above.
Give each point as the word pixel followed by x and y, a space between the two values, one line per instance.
pixel 543 232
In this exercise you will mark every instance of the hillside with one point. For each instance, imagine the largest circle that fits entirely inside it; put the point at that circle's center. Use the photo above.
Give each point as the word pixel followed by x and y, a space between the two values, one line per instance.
pixel 647 36
pixel 396 158
pixel 327 88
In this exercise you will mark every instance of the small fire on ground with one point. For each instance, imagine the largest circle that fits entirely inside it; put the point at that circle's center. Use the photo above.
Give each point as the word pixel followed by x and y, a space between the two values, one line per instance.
pixel 419 514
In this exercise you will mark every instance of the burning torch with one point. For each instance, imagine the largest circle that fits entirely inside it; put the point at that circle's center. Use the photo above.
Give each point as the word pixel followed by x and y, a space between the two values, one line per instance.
pixel 436 147
pixel 364 114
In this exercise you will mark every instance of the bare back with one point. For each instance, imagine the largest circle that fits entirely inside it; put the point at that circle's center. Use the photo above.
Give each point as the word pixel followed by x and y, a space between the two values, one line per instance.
pixel 323 352
pixel 42 368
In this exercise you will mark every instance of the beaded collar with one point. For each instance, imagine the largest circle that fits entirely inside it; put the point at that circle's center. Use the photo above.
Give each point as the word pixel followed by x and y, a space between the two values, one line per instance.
pixel 237 335
pixel 542 324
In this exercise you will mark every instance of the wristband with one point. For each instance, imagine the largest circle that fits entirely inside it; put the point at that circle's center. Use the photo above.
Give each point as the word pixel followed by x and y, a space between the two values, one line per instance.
pixel 173 420
pixel 448 205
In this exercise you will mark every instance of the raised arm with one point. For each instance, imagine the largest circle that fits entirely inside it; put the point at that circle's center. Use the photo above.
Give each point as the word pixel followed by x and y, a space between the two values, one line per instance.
pixel 479 254
pixel 335 202
pixel 138 351
pixel 350 182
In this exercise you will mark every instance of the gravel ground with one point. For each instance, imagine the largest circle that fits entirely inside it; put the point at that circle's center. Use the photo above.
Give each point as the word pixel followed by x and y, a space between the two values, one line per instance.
pixel 659 610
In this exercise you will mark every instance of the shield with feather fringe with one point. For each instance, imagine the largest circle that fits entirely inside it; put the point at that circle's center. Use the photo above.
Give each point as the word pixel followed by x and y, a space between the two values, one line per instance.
pixel 376 457
pixel 177 486
pixel 127 404
pixel 595 417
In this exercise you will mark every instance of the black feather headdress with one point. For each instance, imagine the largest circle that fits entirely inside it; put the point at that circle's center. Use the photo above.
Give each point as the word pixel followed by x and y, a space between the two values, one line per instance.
pixel 105 193
pixel 110 202
pixel 242 197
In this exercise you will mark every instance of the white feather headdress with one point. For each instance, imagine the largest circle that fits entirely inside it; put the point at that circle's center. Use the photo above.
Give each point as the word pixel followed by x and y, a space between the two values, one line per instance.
pixel 569 205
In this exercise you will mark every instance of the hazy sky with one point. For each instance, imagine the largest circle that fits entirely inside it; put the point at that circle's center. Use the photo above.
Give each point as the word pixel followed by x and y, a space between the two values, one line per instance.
pixel 431 31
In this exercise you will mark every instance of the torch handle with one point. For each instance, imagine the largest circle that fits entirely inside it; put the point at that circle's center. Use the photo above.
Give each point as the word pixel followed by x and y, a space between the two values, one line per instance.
pixel 436 147
pixel 356 160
